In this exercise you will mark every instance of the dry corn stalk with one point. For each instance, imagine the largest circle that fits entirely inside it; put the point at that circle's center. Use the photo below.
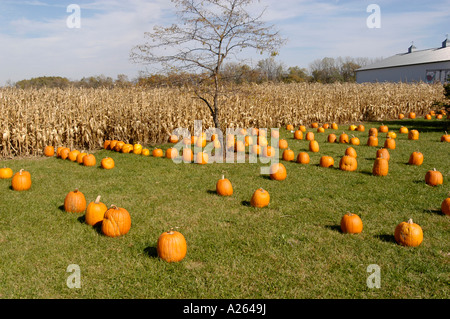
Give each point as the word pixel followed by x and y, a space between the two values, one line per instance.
pixel 84 118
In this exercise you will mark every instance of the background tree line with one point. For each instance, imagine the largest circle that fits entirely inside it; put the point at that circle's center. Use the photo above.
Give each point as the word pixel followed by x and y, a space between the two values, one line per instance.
pixel 326 70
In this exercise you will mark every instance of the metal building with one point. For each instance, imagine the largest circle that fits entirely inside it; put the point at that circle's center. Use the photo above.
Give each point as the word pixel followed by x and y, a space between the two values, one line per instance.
pixel 431 65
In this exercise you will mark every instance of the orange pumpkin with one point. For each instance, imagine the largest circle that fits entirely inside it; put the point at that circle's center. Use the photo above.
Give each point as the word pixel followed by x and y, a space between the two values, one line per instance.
pixel 348 163
pixel 80 157
pixel 116 222
pixel 95 212
pixel 310 136
pixel 343 138
pixel 355 141
pixel 416 158
pixel 298 135
pixel 445 206
pixel 89 160
pixel 445 137
pixel 268 151
pixel 202 158
pixel 334 126
pixel 373 132
pixel 6 172
pixel 372 141
pixel 173 138
pixel 171 246
pixel 412 115
pixel 278 172
pixel 413 135
pixel 64 154
pixel 383 153
pixel 389 143
pixel 303 158
pixel 434 177
pixel 401 116
pixel 157 152
pixel 260 198
pixel 282 144
pixel 224 187
pixel 403 130
pixel 288 155
pixel 171 153
pixel 188 155
pixel 350 151
pixel 49 151
pixel 408 234
pixel 73 155
pixel 331 138
pixel 383 128
pixel 314 146
pixel 326 161
pixel 351 224
pixel 21 181
pixel 75 202
pixel 107 163
pixel 380 167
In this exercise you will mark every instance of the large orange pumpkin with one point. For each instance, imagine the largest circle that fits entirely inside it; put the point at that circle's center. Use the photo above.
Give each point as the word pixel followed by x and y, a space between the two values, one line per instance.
pixel 445 206
pixel 348 163
pixel 288 155
pixel 314 146
pixel 416 158
pixel 303 158
pixel 107 163
pixel 326 161
pixel 89 160
pixel 380 167
pixel 116 222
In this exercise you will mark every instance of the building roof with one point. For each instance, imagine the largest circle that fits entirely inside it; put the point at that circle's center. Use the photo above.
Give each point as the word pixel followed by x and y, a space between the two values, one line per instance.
pixel 441 54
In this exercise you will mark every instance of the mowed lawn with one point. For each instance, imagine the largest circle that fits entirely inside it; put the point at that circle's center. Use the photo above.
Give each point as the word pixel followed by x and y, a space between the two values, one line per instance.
pixel 293 248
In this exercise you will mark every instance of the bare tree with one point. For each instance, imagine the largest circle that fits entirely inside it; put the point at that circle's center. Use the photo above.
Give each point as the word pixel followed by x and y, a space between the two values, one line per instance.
pixel 209 31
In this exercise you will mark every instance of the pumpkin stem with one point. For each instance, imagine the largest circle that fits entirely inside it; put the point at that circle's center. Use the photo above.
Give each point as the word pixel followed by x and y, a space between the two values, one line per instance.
pixel 20 172
pixel 76 190
pixel 349 214
pixel 223 176
pixel 410 221
pixel 97 200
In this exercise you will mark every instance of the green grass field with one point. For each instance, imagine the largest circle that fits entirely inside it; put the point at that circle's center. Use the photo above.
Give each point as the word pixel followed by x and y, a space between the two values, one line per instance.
pixel 291 249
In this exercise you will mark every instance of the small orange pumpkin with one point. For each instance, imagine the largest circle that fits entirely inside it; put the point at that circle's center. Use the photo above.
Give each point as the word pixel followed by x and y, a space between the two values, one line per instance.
pixel 282 144
pixel 372 141
pixel 278 172
pixel 107 163
pixel 350 151
pixel 303 158
pixel 389 143
pixel 224 187
pixel 416 158
pixel 331 138
pixel 89 160
pixel 95 212
pixel 408 234
pixel 310 136
pixel 188 155
pixel 351 224
pixel 21 181
pixel 445 206
pixel 384 153
pixel 298 135
pixel 171 153
pixel 6 172
pixel 413 135
pixel 343 138
pixel 445 137
pixel 288 155
pixel 171 246
pixel 348 163
pixel 314 146
pixel 75 202
pixel 157 152
pixel 49 151
pixel 434 177
pixel 326 161
pixel 380 167
pixel 260 198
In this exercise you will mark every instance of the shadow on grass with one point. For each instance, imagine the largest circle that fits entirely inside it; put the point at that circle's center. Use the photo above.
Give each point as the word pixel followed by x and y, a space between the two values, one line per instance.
pixel 388 238
pixel 433 211
pixel 246 203
pixel 211 191
pixel 151 252
pixel 336 228
pixel 61 208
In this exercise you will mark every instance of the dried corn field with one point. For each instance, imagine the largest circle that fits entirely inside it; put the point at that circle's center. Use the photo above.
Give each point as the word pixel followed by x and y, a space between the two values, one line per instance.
pixel 84 118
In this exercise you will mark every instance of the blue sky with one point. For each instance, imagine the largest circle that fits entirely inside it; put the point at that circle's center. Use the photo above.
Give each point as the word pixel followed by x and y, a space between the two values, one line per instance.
pixel 35 40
